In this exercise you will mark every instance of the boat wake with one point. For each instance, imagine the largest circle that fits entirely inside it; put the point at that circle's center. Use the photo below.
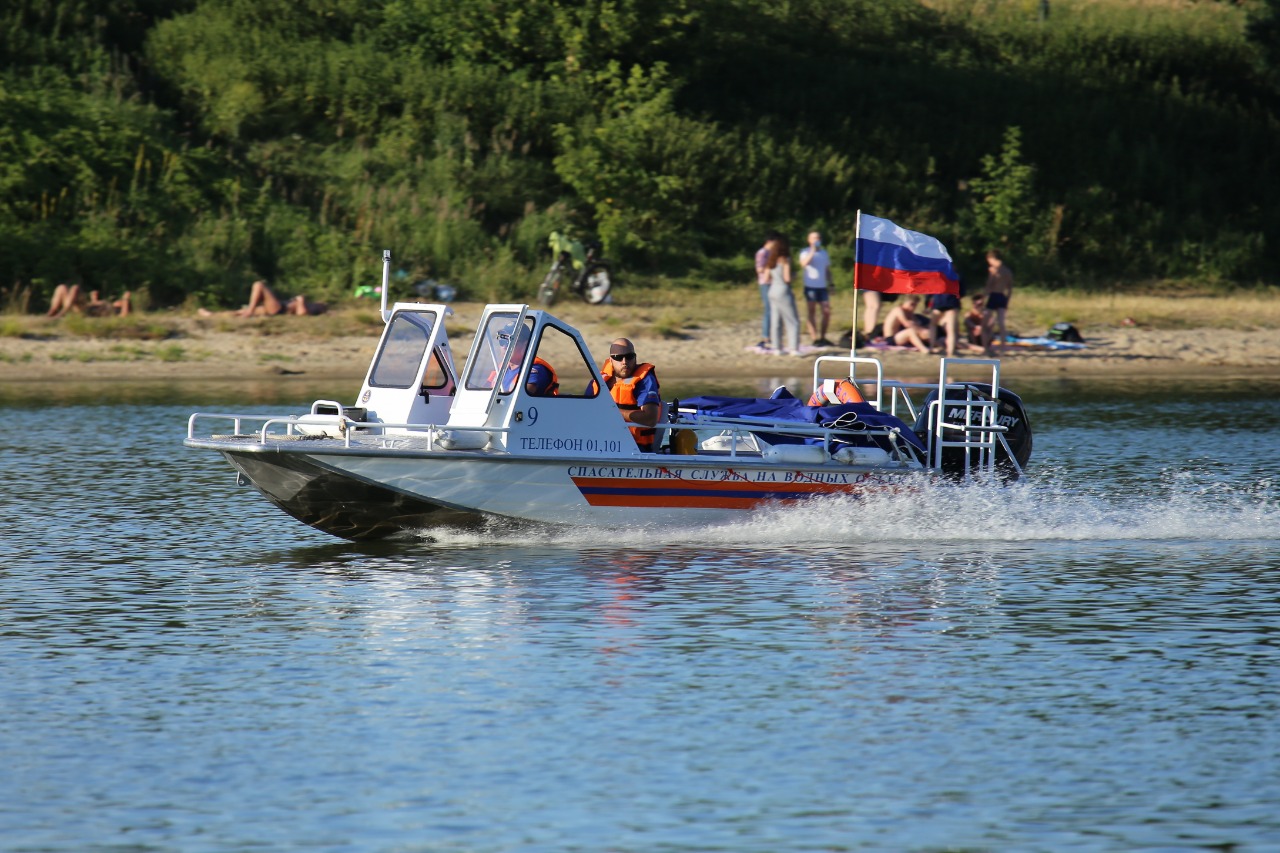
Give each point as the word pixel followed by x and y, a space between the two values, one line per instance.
pixel 1179 505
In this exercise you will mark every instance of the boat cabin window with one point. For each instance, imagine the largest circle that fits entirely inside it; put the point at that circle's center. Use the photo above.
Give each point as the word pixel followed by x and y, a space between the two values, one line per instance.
pixel 500 351
pixel 403 346
pixel 560 367
pixel 560 352
pixel 435 377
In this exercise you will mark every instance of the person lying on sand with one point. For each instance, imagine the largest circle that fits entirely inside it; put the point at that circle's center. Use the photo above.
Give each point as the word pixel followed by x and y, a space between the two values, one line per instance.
pixel 101 308
pixel 263 302
pixel 69 298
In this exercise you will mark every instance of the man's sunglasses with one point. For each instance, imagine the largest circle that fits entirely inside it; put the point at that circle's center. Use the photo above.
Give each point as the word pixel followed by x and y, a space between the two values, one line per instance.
pixel 621 356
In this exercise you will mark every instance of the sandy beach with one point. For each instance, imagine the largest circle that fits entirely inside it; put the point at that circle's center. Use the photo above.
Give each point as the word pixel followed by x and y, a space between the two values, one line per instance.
pixel 286 347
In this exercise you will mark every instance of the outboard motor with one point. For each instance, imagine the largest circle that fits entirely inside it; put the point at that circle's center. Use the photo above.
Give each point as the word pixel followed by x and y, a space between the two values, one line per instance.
pixel 1010 413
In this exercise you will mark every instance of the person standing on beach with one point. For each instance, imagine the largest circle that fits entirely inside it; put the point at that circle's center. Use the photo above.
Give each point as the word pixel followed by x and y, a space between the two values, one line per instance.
pixel 871 302
pixel 816 265
pixel 782 302
pixel 762 279
pixel 944 322
pixel 996 297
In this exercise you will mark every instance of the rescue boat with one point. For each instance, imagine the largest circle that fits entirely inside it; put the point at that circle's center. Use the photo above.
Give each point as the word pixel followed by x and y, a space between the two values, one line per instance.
pixel 427 444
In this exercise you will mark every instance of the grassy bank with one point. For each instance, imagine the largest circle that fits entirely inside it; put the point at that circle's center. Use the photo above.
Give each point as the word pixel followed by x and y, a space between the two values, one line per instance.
pixel 668 311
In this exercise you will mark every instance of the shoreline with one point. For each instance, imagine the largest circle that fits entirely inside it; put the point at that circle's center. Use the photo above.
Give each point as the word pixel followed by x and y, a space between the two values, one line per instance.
pixel 717 351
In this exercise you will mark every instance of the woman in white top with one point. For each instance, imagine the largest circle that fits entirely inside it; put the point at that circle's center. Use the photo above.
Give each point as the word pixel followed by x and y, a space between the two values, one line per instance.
pixel 782 302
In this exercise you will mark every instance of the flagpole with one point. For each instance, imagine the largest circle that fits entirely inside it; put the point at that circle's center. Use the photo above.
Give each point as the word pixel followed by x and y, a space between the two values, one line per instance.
pixel 853 336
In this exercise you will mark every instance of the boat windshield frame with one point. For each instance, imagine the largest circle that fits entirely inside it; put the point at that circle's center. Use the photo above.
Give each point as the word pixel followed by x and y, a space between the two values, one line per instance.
pixel 500 350
pixel 404 343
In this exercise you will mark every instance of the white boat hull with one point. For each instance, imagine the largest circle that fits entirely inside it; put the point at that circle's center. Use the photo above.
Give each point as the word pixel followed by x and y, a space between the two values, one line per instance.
pixel 366 495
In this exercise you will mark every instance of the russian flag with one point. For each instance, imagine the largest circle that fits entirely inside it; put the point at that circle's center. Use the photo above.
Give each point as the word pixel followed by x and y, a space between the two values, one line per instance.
pixel 891 259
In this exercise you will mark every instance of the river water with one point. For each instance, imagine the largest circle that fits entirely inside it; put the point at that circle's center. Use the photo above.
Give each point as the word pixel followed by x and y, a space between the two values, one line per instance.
pixel 1085 661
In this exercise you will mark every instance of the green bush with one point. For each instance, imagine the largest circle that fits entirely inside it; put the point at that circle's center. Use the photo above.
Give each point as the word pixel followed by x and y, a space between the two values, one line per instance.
pixel 295 140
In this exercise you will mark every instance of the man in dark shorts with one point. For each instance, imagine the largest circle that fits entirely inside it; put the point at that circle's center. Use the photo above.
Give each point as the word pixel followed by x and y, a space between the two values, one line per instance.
pixel 996 295
pixel 816 266
pixel 944 311
pixel 871 302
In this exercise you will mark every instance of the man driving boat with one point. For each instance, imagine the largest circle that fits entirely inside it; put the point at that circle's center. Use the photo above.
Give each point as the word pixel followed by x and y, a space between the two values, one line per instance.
pixel 542 380
pixel 634 387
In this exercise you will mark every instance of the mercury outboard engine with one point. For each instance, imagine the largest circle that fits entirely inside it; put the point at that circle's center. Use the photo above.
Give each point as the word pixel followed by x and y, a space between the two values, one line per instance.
pixel 1010 413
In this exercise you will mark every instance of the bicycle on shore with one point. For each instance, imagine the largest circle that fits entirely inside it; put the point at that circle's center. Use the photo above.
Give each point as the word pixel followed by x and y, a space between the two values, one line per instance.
pixel 578 267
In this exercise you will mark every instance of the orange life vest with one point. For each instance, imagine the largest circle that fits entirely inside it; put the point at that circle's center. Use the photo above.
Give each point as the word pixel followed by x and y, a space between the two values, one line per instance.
pixel 552 389
pixel 835 391
pixel 623 392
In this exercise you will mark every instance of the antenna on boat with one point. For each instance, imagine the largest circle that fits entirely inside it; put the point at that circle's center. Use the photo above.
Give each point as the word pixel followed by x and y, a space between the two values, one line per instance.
pixel 386 283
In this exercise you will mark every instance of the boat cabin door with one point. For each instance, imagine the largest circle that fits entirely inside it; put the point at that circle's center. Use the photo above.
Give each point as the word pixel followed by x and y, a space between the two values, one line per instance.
pixel 412 379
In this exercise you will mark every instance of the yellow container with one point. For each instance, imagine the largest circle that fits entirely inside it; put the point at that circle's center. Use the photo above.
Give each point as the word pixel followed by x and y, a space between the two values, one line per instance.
pixel 684 442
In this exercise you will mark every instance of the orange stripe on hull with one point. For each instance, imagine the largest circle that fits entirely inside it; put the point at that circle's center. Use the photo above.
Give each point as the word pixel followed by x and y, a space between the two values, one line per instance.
pixel 716 494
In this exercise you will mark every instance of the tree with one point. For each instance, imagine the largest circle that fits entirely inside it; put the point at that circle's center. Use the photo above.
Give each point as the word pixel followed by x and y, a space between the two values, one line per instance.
pixel 1003 209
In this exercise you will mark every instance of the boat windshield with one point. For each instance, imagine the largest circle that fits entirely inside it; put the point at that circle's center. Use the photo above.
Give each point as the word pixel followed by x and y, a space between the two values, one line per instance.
pixel 501 352
pixel 398 362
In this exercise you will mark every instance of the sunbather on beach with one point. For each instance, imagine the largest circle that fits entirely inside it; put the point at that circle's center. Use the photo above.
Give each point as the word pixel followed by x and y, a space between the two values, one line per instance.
pixel 70 298
pixel 66 298
pixel 98 307
pixel 263 302
pixel 901 327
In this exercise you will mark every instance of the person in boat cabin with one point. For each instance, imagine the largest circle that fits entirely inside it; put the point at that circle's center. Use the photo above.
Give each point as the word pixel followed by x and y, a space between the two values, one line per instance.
pixel 903 327
pixel 263 302
pixel 634 387
pixel 542 380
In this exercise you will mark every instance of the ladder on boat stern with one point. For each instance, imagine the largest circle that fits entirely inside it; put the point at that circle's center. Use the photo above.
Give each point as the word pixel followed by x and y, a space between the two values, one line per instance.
pixel 977 427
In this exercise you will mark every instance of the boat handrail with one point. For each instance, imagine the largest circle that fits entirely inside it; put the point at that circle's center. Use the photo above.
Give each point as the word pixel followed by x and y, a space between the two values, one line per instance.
pixel 237 420
pixel 328 404
pixel 769 425
pixel 900 391
pixel 746 426
pixel 946 364
pixel 735 427
pixel 981 436
pixel 346 426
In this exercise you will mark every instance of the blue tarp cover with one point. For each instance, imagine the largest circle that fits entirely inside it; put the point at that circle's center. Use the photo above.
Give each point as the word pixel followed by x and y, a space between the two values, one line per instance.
pixel 788 408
